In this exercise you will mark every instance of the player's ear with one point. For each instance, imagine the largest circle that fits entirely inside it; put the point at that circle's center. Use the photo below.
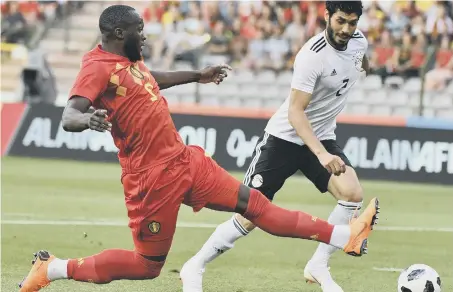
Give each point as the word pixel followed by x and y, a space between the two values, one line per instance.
pixel 326 15
pixel 119 33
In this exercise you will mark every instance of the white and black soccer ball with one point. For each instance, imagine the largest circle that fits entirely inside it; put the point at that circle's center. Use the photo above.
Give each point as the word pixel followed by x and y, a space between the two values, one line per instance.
pixel 419 278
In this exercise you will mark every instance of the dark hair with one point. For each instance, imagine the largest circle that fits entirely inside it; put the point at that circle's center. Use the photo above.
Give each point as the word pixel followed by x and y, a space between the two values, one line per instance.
pixel 114 16
pixel 348 7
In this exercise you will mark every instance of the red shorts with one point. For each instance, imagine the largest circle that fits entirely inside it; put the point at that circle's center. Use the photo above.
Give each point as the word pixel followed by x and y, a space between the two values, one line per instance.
pixel 153 197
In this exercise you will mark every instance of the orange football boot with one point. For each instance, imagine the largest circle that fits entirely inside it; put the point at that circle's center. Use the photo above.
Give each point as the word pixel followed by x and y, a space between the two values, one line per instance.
pixel 37 277
pixel 361 228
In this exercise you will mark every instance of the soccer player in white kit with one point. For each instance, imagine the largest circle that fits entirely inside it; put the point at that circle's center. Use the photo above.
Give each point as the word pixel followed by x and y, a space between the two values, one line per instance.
pixel 301 136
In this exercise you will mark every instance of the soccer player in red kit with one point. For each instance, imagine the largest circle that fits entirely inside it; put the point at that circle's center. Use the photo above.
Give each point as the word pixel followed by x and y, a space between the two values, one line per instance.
pixel 159 172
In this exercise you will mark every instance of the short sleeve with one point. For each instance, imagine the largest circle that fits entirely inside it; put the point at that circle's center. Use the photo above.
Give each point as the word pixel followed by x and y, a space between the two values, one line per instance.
pixel 307 70
pixel 90 82
pixel 362 40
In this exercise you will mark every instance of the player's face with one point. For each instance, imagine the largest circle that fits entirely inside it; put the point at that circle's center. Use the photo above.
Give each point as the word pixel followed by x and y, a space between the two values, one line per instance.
pixel 340 27
pixel 134 39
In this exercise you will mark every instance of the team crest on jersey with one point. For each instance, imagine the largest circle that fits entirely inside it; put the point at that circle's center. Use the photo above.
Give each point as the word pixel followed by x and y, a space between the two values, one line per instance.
pixel 358 59
pixel 154 227
pixel 257 181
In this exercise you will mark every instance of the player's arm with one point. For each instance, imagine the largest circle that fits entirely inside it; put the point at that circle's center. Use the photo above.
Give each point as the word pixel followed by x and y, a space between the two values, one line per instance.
pixel 307 70
pixel 365 61
pixel 214 74
pixel 75 115
pixel 78 114
pixel 169 79
pixel 299 101
pixel 366 65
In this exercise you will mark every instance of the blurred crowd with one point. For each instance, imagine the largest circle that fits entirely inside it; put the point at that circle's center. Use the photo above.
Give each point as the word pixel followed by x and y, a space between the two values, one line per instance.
pixel 268 34
pixel 22 19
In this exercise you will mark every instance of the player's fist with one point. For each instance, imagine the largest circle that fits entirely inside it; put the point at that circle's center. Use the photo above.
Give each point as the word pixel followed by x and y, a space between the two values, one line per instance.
pixel 334 164
pixel 214 74
pixel 98 121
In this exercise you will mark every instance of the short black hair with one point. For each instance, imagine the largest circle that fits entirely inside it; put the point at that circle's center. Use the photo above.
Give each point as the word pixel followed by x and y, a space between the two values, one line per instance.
pixel 348 7
pixel 114 16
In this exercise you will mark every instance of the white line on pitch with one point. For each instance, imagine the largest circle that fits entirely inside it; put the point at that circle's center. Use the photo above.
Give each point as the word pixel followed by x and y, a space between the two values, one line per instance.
pixel 188 225
pixel 388 269
pixel 94 223
pixel 413 228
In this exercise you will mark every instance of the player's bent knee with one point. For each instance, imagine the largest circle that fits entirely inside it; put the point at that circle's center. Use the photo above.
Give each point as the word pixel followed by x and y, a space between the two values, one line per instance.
pixel 152 266
pixel 243 199
pixel 148 267
pixel 346 187
pixel 140 268
pixel 247 224
pixel 153 271
pixel 350 193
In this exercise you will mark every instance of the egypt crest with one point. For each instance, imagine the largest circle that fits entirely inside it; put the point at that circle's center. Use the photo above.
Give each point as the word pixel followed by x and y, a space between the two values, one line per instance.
pixel 358 59
pixel 154 227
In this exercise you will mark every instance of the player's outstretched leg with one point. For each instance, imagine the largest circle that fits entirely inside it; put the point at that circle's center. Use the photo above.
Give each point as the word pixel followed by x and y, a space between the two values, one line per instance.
pixel 254 206
pixel 102 268
pixel 351 238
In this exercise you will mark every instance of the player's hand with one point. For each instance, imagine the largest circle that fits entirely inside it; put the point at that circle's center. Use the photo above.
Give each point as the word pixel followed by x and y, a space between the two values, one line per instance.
pixel 98 121
pixel 334 164
pixel 214 74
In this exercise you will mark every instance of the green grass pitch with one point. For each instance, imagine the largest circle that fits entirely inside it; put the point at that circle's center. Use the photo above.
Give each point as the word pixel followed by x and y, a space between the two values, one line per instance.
pixel 37 194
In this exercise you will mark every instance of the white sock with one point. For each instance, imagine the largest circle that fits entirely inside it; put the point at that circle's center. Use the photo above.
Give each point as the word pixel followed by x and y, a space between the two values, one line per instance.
pixel 220 241
pixel 57 269
pixel 340 215
pixel 339 239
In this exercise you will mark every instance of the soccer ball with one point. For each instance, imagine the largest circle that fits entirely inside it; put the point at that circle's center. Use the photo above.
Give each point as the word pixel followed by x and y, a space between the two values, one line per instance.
pixel 419 278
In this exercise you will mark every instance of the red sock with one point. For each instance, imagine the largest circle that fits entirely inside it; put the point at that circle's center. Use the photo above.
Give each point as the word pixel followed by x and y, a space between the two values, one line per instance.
pixel 113 264
pixel 285 223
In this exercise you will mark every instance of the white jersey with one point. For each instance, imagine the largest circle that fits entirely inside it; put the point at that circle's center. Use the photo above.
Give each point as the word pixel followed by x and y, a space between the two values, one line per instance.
pixel 328 74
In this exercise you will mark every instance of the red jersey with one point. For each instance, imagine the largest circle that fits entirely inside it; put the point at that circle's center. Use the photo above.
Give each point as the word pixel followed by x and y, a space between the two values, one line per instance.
pixel 443 57
pixel 142 127
pixel 384 54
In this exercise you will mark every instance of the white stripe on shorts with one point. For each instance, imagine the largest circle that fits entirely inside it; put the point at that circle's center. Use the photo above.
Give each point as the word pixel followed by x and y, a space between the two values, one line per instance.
pixel 251 169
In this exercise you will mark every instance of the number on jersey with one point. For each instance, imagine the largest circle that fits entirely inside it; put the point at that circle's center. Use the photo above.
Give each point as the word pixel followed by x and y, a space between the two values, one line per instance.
pixel 149 88
pixel 345 84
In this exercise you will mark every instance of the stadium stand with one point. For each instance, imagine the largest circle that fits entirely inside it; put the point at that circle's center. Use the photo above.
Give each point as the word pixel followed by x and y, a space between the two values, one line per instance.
pixel 411 43
pixel 18 19
pixel 24 25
